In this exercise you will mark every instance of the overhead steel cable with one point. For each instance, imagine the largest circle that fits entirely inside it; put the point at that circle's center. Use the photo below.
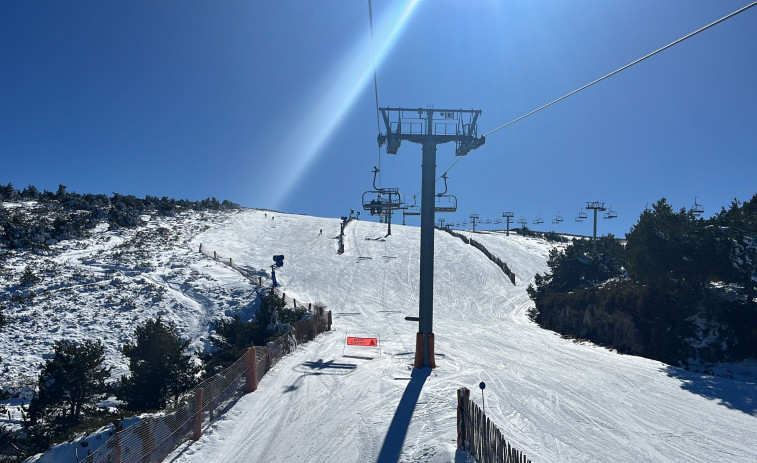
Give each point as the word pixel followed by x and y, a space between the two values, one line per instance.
pixel 375 81
pixel 740 10
pixel 623 68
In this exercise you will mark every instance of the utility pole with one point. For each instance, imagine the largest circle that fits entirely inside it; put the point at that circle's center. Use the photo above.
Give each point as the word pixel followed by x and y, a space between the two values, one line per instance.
pixel 595 206
pixel 508 216
pixel 418 125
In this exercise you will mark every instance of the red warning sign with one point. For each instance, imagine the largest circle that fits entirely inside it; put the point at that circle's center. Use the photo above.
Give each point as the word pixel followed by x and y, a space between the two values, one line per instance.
pixel 369 342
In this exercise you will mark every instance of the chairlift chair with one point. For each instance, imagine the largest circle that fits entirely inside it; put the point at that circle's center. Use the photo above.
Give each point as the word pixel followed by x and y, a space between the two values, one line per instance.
pixel 697 209
pixel 538 220
pixel 412 209
pixel 610 214
pixel 443 201
pixel 379 201
pixel 558 218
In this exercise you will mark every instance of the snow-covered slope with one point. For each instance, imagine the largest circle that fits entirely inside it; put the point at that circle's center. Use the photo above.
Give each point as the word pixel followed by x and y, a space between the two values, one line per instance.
pixel 103 286
pixel 556 400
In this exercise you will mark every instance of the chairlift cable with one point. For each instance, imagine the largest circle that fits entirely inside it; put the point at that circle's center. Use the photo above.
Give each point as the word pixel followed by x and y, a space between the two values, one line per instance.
pixel 625 67
pixel 375 80
pixel 702 29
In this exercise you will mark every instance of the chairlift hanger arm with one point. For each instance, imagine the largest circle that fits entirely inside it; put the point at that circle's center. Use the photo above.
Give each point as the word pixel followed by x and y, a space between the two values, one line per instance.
pixel 444 176
pixel 375 174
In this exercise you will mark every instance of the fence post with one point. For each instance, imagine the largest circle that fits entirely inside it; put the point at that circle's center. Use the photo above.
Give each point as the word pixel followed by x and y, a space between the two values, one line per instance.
pixel 329 325
pixel 117 443
pixel 197 431
pixel 251 370
pixel 260 281
pixel 200 247
pixel 463 395
pixel 215 256
pixel 230 263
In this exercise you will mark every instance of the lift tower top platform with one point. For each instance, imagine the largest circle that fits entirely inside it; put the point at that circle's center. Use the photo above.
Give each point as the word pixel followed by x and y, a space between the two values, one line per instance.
pixel 429 127
pixel 418 124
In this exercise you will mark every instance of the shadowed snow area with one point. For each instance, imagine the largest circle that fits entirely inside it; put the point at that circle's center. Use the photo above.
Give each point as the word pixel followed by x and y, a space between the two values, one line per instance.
pixel 554 399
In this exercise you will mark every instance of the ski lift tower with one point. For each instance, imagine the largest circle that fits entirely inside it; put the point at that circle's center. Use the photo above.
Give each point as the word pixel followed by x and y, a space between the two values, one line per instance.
pixel 429 127
pixel 508 217
pixel 473 219
pixel 595 206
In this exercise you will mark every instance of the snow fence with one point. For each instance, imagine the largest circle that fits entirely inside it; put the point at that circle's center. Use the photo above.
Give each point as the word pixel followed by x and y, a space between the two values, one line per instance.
pixel 510 274
pixel 478 435
pixel 153 438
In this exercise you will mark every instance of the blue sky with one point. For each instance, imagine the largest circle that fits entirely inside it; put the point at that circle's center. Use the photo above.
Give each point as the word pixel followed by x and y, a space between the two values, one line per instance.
pixel 271 104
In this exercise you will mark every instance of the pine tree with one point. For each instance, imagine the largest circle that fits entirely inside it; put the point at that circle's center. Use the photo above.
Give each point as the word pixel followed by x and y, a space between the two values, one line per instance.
pixel 231 337
pixel 159 367
pixel 69 385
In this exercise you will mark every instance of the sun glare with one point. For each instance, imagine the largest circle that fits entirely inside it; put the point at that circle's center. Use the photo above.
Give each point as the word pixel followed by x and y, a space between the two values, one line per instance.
pixel 349 77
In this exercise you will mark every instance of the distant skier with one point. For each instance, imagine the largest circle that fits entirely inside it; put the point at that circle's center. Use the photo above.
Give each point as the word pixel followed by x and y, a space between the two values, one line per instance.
pixel 321 232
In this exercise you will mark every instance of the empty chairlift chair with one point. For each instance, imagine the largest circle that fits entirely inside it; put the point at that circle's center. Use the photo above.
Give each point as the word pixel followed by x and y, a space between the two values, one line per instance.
pixel 443 201
pixel 697 209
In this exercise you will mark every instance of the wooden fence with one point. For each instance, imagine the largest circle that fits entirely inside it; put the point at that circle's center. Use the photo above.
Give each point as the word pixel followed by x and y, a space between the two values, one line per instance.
pixel 478 435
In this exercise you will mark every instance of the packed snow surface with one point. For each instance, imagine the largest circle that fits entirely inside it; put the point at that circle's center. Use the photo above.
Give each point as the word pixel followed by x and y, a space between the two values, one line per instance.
pixel 554 399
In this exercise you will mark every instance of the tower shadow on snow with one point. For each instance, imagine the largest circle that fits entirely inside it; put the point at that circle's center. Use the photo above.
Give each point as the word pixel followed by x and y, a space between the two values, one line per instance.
pixel 395 436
